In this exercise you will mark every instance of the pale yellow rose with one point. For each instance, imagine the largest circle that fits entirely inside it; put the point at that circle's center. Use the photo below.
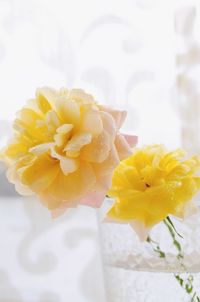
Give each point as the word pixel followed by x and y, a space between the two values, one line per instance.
pixel 65 147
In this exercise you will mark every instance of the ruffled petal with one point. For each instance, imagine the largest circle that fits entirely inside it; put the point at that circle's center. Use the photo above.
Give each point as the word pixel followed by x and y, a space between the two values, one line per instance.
pixel 68 110
pixel 42 101
pixel 41 149
pixel 81 96
pixel 123 148
pixel 76 143
pixel 91 122
pixel 98 150
pixel 46 93
pixel 68 189
pixel 132 140
pixel 94 199
pixel 68 165
pixel 63 134
pixel 109 124
pixel 119 116
pixel 104 170
pixel 40 174
pixel 13 177
pixel 52 121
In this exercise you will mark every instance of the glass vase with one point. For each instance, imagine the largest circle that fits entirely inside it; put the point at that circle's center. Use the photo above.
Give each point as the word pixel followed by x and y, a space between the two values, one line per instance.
pixel 135 272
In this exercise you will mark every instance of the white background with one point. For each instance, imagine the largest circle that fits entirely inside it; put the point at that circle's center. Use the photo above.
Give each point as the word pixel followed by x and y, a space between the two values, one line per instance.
pixel 138 55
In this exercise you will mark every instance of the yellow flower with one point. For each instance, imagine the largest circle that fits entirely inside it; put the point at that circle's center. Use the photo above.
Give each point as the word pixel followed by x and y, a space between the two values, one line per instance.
pixel 151 184
pixel 65 147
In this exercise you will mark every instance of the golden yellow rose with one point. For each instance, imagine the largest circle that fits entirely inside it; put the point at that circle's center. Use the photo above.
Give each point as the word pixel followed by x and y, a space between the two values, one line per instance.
pixel 151 184
pixel 65 147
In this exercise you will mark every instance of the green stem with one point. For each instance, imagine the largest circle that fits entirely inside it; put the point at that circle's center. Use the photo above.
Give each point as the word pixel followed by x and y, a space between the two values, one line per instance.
pixel 168 220
pixel 186 284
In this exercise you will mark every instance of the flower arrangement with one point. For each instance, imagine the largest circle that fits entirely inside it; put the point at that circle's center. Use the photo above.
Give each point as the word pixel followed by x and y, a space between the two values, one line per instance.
pixel 67 150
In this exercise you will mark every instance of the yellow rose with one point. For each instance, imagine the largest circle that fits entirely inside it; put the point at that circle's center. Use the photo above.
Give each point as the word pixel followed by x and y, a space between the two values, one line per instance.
pixel 151 184
pixel 65 147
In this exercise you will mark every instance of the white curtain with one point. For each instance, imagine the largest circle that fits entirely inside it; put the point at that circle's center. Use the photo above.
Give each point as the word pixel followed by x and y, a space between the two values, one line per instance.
pixel 141 55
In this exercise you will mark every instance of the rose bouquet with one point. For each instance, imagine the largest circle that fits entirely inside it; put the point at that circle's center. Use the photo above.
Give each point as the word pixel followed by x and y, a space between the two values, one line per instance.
pixel 67 149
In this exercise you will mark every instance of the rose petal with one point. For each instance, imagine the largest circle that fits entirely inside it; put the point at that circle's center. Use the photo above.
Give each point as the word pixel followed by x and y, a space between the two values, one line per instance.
pixel 68 110
pixel 57 212
pixel 68 165
pixel 40 149
pixel 63 134
pixel 49 94
pixel 119 116
pixel 68 189
pixel 141 230
pixel 52 121
pixel 49 201
pixel 62 209
pixel 109 124
pixel 92 123
pixel 66 128
pixel 81 95
pixel 74 146
pixel 132 140
pixel 40 174
pixel 23 190
pixel 122 147
pixel 98 150
pixel 104 170
pixel 14 178
pixel 15 150
pixel 94 199
pixel 42 101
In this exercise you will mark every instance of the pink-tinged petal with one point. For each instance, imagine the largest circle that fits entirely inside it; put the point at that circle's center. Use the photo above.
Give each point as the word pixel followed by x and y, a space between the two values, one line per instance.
pixel 105 181
pixel 57 206
pixel 57 212
pixel 92 123
pixel 132 140
pixel 68 189
pixel 94 199
pixel 104 170
pixel 62 209
pixel 49 201
pixel 108 124
pixel 98 150
pixel 119 116
pixel 141 230
pixel 122 146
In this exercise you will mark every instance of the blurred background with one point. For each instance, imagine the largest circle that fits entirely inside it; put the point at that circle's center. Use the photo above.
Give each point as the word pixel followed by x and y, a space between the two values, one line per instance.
pixel 139 55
